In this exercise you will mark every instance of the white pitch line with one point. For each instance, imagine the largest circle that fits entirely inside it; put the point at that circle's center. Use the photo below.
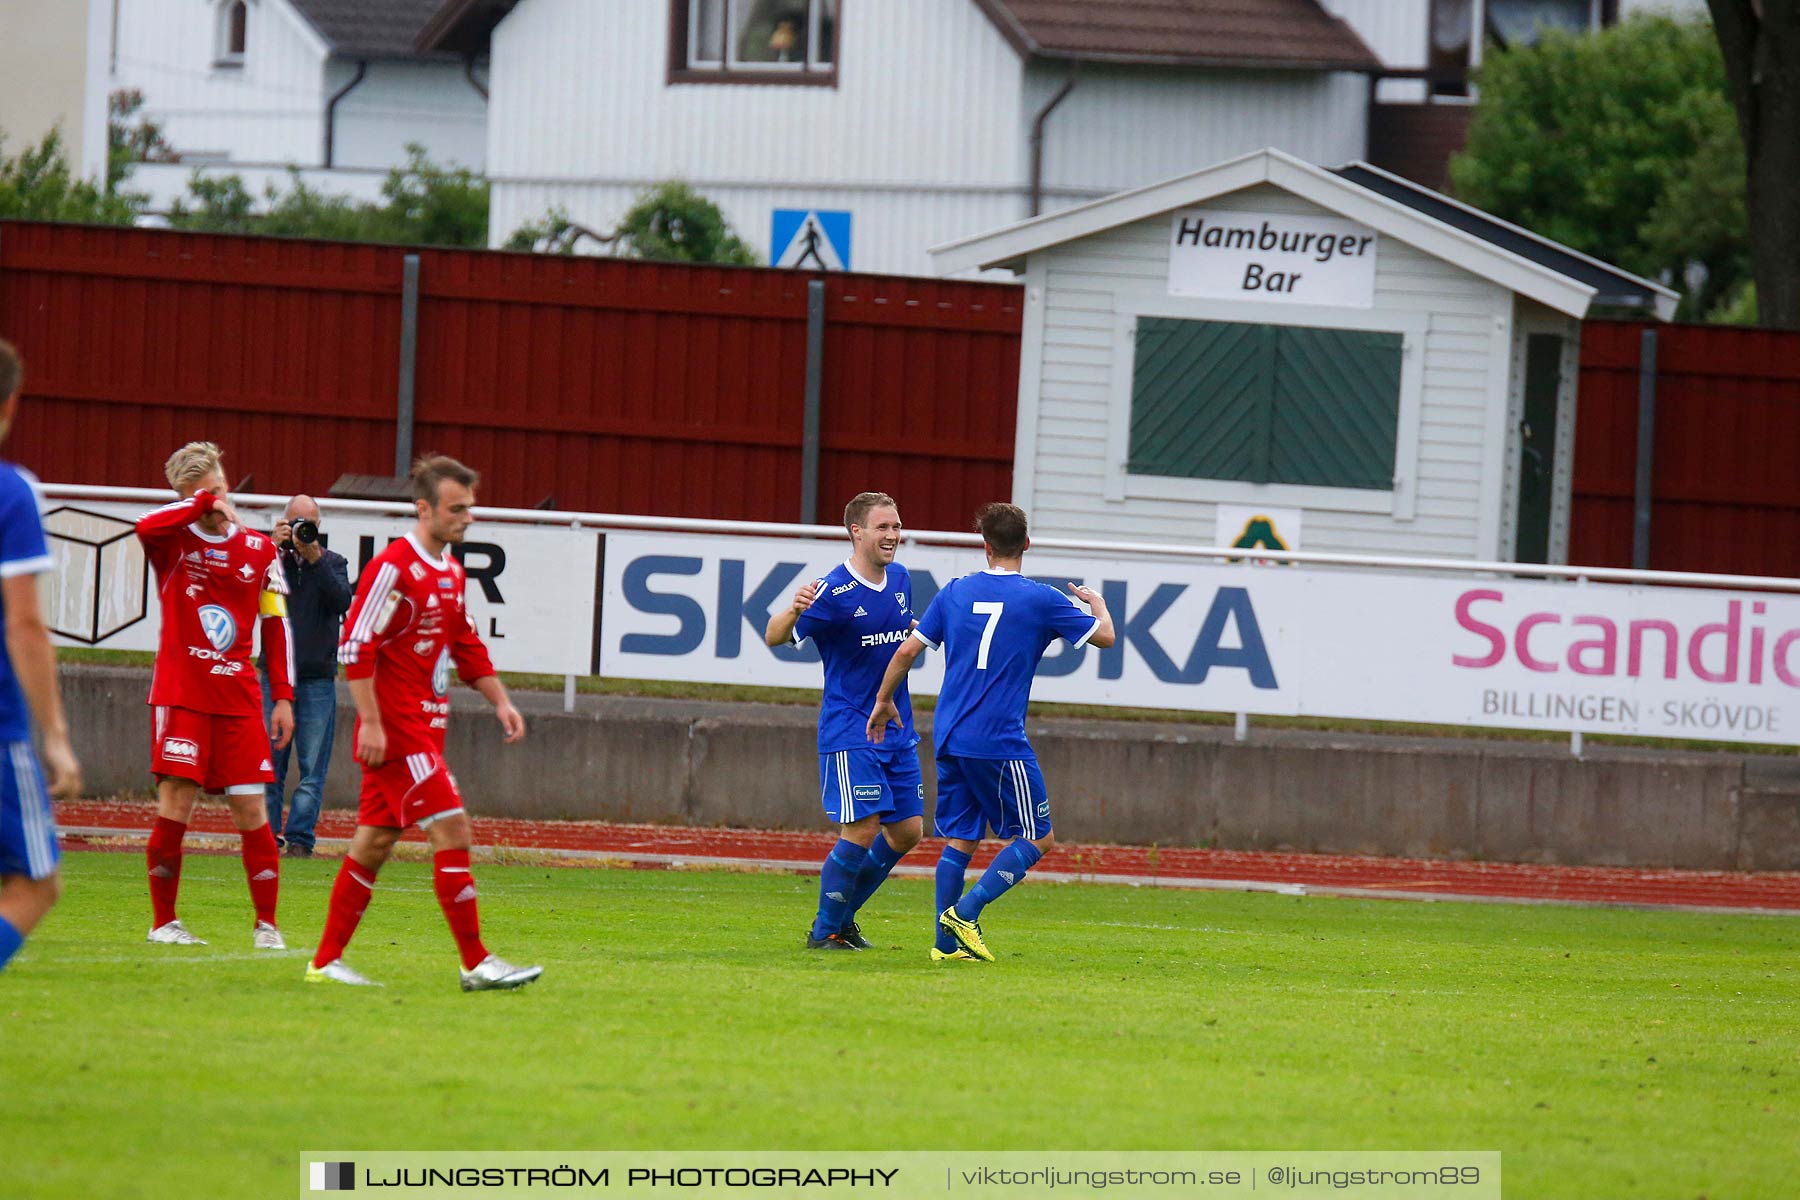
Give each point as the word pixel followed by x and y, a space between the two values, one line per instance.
pixel 1275 887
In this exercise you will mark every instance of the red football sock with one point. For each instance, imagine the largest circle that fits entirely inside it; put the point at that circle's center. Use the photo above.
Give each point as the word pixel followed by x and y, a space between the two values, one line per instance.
pixel 164 857
pixel 456 896
pixel 349 899
pixel 262 867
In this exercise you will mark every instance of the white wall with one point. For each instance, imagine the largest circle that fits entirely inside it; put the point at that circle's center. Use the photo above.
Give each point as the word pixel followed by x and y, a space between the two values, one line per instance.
pixel 430 103
pixel 1398 31
pixel 1063 424
pixel 1124 128
pixel 267 110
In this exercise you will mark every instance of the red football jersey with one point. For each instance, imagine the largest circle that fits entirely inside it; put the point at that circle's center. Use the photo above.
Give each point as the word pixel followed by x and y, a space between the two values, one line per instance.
pixel 406 627
pixel 213 588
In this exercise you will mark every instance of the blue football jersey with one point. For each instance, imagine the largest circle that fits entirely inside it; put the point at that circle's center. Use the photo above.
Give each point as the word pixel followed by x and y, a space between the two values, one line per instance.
pixel 857 625
pixel 22 552
pixel 994 627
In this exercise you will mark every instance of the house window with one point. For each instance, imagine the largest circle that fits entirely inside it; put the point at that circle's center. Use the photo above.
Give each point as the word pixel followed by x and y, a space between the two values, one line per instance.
pixel 1454 50
pixel 234 25
pixel 1265 404
pixel 750 41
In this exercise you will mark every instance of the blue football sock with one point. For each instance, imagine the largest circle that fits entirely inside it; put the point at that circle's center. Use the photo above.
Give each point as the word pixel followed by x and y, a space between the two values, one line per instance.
pixel 837 882
pixel 951 865
pixel 1008 868
pixel 10 941
pixel 881 860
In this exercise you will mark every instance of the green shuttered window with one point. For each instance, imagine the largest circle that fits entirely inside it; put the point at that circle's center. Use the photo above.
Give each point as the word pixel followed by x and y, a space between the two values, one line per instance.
pixel 1265 403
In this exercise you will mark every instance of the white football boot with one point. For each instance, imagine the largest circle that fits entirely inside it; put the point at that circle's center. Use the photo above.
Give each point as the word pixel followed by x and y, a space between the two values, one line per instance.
pixel 173 934
pixel 491 974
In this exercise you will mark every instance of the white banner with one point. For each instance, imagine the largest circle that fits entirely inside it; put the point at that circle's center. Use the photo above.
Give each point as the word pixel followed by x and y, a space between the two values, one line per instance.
pixel 1220 254
pixel 531 588
pixel 1388 646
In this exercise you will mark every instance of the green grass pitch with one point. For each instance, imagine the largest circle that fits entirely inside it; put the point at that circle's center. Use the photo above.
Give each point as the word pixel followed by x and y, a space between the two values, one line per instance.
pixel 1605 1053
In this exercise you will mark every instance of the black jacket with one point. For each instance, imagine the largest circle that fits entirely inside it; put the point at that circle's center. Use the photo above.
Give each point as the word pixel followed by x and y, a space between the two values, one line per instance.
pixel 318 597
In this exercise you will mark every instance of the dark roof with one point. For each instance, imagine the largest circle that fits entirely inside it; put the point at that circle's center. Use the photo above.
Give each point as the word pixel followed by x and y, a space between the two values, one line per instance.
pixel 1282 35
pixel 370 28
pixel 463 26
pixel 1613 288
pixel 1264 34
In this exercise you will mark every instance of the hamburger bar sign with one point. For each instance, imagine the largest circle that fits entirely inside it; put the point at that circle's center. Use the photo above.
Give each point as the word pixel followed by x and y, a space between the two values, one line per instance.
pixel 1220 254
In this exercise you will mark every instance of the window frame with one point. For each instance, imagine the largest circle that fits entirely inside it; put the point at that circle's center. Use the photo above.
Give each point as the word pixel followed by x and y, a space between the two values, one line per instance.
pixel 683 33
pixel 1400 502
pixel 224 57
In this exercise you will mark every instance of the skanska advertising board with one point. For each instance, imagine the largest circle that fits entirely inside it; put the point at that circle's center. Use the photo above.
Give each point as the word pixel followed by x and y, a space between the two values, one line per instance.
pixel 1270 640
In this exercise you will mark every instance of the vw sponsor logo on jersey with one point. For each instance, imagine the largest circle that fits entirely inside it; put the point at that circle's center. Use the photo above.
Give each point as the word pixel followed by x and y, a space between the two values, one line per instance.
pixel 440 674
pixel 219 627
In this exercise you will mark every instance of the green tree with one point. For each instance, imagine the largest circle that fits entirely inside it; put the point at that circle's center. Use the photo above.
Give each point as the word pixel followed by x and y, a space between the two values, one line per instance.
pixel 38 185
pixel 1622 145
pixel 669 223
pixel 430 205
pixel 131 138
pixel 674 223
pixel 423 204
pixel 1760 40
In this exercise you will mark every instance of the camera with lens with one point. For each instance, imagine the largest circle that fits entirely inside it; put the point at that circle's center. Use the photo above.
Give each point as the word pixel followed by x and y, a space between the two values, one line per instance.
pixel 303 531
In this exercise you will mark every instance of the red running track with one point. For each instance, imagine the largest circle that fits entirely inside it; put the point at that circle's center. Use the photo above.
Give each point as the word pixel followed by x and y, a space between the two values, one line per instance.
pixel 657 845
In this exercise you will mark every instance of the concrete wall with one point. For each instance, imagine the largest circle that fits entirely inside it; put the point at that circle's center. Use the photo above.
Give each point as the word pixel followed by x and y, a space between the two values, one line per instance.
pixel 752 765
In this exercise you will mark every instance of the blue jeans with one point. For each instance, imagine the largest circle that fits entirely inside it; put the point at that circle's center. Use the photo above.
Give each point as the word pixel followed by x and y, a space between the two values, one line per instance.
pixel 315 723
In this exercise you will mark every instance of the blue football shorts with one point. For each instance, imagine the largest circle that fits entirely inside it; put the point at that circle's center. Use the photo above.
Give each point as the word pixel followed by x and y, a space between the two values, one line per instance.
pixel 1006 795
pixel 27 829
pixel 854 784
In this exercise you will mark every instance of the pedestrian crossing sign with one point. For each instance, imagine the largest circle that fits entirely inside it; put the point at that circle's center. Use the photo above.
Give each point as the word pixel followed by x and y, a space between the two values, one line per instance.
pixel 810 239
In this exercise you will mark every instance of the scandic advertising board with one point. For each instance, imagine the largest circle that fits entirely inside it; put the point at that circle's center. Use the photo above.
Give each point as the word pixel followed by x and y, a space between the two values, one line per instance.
pixel 1225 637
pixel 1271 640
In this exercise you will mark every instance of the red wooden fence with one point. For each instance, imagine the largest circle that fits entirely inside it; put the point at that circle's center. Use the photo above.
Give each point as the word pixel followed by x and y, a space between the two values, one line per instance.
pixel 1725 481
pixel 635 387
pixel 604 384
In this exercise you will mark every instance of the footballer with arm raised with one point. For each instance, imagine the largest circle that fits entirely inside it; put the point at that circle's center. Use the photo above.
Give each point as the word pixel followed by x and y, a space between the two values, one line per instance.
pixel 993 627
pixel 856 615
pixel 215 581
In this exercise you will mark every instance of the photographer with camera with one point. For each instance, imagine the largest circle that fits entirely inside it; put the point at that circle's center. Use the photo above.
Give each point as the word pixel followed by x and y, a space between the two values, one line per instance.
pixel 318 596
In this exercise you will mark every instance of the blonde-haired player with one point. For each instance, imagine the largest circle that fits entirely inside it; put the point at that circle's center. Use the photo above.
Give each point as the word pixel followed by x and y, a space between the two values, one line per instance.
pixel 215 580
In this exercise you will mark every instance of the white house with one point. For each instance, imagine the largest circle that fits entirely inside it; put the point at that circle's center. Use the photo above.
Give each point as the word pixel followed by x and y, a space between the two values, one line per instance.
pixel 339 87
pixel 922 120
pixel 903 123
pixel 1341 351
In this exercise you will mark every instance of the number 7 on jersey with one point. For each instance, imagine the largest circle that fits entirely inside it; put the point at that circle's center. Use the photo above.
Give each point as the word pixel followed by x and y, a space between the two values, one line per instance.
pixel 992 610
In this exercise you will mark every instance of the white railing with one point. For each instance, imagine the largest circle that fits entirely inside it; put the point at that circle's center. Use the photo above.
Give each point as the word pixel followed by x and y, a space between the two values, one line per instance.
pixel 603 522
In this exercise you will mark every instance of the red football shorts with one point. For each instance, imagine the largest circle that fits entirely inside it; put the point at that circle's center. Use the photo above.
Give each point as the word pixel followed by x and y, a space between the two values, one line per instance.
pixel 220 753
pixel 406 791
